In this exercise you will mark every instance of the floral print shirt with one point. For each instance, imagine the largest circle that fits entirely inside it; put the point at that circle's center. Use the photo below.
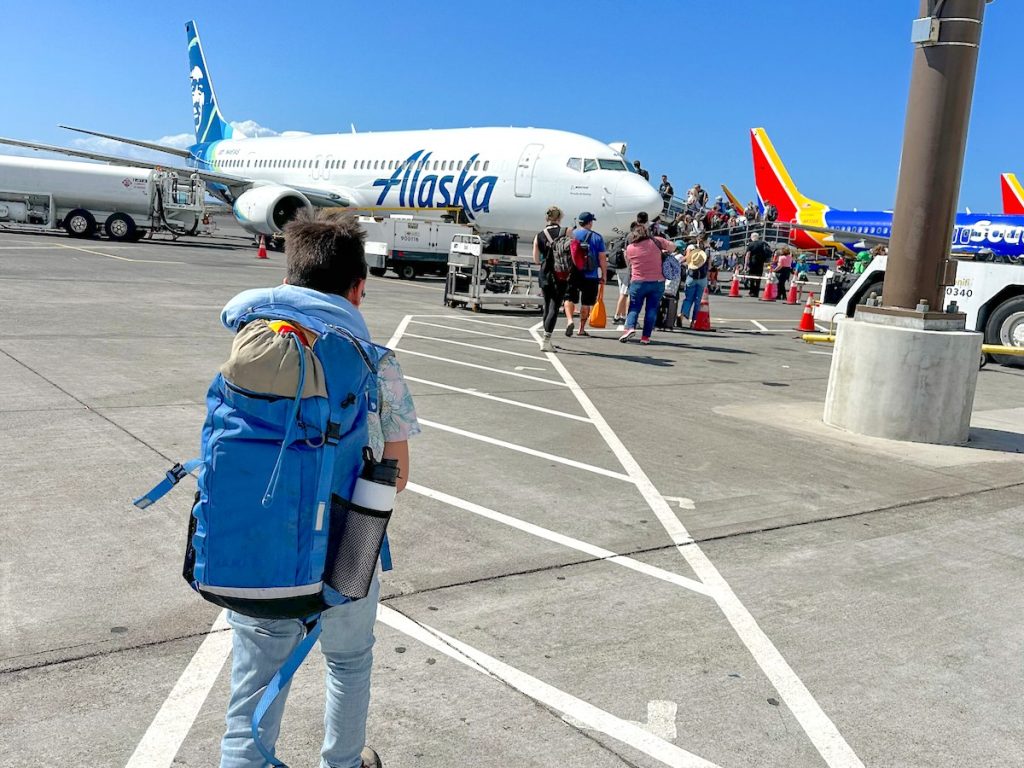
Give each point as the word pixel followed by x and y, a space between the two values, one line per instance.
pixel 395 419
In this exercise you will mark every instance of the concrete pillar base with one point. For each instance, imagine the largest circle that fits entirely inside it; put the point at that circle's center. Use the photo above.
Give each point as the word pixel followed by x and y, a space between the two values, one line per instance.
pixel 904 376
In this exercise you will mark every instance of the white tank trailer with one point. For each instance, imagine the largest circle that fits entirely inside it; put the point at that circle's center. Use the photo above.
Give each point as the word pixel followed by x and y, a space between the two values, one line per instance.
pixel 85 199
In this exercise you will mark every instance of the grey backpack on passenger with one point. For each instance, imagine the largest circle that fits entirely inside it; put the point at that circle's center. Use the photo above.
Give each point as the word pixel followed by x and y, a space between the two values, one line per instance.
pixel 561 254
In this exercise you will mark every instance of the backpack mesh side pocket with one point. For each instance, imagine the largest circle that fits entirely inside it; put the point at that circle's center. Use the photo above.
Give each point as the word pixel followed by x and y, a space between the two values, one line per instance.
pixel 353 547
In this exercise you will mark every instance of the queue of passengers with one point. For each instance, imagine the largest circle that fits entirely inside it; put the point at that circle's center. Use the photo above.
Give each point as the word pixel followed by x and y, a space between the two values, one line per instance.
pixel 647 266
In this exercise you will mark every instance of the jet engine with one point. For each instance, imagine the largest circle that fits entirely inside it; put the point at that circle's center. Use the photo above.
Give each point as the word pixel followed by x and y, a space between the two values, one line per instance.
pixel 265 210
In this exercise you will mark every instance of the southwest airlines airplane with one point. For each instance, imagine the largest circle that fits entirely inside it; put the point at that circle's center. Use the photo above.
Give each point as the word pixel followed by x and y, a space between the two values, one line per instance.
pixel 503 179
pixel 817 226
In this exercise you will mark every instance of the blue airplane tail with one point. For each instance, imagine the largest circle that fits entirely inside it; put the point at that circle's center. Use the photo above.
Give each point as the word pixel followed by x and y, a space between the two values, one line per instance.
pixel 210 125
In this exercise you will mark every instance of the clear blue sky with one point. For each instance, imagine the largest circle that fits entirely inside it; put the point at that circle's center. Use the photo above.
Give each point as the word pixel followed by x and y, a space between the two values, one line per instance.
pixel 681 81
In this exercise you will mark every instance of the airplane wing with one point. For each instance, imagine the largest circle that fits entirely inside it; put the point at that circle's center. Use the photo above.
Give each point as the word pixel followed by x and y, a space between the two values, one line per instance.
pixel 217 178
pixel 843 236
pixel 318 196
pixel 839 237
pixel 137 142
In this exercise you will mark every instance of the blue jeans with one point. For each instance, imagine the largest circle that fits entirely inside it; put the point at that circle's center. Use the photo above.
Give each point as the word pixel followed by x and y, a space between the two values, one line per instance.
pixel 260 646
pixel 693 293
pixel 647 294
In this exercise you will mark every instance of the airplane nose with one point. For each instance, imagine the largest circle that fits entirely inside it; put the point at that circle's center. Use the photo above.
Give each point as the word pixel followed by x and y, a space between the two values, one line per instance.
pixel 634 194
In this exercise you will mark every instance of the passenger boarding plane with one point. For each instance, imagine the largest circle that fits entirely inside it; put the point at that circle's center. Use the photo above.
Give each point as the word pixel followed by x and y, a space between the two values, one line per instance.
pixel 820 227
pixel 1013 195
pixel 503 179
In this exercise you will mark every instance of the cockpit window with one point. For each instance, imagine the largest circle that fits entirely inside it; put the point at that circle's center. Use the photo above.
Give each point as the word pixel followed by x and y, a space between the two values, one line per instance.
pixel 589 165
pixel 612 165
pixel 575 163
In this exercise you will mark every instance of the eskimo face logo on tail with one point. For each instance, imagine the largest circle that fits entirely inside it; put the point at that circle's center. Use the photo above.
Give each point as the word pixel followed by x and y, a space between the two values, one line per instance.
pixel 417 187
pixel 198 80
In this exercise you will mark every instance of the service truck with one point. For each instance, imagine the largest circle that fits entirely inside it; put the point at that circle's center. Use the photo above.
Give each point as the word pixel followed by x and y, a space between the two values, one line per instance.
pixel 990 294
pixel 415 246
pixel 83 199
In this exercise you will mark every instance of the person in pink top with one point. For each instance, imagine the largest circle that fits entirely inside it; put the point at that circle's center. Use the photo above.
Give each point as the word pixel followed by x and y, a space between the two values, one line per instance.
pixel 646 281
pixel 783 269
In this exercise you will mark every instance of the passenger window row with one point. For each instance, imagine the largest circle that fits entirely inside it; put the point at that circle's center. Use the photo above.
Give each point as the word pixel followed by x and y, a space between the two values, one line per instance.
pixel 357 165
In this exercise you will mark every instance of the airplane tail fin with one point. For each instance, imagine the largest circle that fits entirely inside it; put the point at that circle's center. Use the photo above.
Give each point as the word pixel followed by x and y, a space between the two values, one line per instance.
pixel 733 200
pixel 210 125
pixel 773 182
pixel 1013 194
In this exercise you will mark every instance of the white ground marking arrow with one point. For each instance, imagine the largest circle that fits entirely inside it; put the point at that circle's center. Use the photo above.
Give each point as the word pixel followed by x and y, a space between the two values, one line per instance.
pixel 528 368
pixel 682 501
pixel 661 720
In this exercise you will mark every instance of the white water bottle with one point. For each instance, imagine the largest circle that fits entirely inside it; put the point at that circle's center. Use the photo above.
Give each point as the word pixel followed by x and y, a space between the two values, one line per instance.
pixel 366 518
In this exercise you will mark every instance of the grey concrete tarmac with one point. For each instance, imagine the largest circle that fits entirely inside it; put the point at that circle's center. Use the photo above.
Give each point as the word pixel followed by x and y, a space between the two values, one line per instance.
pixel 886 576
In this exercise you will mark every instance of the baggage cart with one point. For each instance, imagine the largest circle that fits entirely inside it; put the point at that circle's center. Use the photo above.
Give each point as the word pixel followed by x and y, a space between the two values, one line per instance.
pixel 477 279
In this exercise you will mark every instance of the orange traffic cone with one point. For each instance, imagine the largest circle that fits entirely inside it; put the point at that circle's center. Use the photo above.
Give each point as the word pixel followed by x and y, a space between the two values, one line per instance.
pixel 262 252
pixel 793 294
pixel 734 289
pixel 703 321
pixel 771 288
pixel 807 319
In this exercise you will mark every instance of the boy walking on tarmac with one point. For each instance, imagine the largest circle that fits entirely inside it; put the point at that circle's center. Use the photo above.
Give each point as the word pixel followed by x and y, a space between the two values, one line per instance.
pixel 326 278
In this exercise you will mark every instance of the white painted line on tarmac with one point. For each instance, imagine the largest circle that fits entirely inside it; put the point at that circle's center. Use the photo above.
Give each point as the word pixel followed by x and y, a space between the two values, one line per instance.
pixel 759 326
pixel 112 256
pixel 28 247
pixel 524 328
pixel 528 451
pixel 477 346
pixel 171 725
pixel 819 352
pixel 682 501
pixel 558 538
pixel 496 399
pixel 521 340
pixel 405 351
pixel 661 720
pixel 819 728
pixel 436 287
pixel 580 711
pixel 393 341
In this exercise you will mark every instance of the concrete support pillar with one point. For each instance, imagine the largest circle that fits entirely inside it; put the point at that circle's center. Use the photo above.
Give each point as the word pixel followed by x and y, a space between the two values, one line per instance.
pixel 901 371
pixel 908 376
pixel 934 140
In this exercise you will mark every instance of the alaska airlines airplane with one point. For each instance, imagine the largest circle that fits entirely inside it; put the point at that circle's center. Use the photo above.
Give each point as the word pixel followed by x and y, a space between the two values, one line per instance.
pixel 503 179
pixel 1013 195
pixel 817 226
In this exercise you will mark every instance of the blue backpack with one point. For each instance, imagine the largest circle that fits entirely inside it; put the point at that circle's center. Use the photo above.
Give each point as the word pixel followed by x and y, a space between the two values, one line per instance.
pixel 274 474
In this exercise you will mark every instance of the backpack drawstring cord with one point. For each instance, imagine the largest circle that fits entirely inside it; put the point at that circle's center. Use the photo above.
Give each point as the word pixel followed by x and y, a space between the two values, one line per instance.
pixel 289 433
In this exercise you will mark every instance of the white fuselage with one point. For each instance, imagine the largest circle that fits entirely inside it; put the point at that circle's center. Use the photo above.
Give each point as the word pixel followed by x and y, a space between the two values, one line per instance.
pixel 504 178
